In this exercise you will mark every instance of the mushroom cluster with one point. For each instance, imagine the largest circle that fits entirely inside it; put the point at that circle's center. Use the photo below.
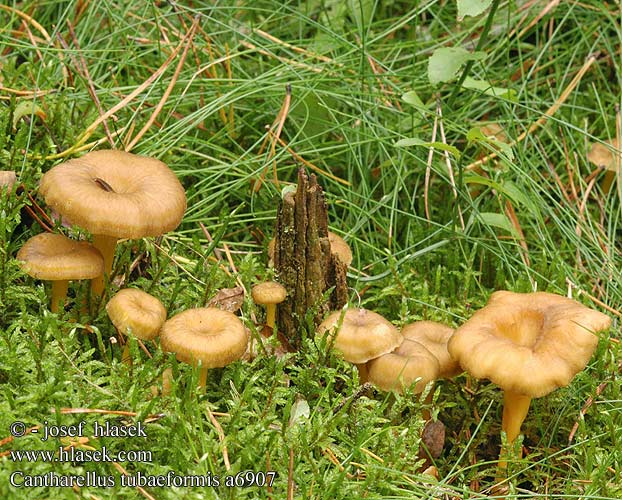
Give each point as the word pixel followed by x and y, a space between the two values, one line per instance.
pixel 527 343
pixel 114 195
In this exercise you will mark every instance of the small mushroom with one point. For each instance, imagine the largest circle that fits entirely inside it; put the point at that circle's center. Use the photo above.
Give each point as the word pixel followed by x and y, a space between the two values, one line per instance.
pixel 400 368
pixel 209 336
pixel 422 355
pixel 338 247
pixel 360 335
pixel 602 155
pixel 528 344
pixel 434 336
pixel 114 194
pixel 7 179
pixel 134 312
pixel 56 258
pixel 269 293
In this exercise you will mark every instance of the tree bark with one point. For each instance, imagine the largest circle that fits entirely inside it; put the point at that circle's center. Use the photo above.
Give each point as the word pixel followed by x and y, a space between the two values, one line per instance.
pixel 315 278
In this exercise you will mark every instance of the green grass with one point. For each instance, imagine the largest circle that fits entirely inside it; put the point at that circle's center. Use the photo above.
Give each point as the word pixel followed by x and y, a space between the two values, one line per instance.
pixel 345 116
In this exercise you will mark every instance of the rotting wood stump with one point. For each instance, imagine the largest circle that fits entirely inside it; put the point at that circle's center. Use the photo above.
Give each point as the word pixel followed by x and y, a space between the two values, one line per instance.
pixel 315 278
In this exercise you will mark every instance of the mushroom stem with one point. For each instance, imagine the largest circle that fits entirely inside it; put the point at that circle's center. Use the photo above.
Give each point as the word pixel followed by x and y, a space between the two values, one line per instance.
pixel 363 372
pixel 515 409
pixel 126 357
pixel 202 376
pixel 59 294
pixel 429 399
pixel 106 245
pixel 270 315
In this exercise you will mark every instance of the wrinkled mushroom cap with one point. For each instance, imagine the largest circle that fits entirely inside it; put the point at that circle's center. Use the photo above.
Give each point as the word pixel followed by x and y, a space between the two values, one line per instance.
pixel 136 312
pixel 399 369
pixel 115 193
pixel 434 336
pixel 53 257
pixel 269 292
pixel 363 335
pixel 528 343
pixel 210 335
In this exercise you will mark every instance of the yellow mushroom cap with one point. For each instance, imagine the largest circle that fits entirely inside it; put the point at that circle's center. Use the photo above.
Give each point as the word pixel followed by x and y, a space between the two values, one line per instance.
pixel 399 369
pixel 528 343
pixel 53 257
pixel 434 336
pixel 136 312
pixel 115 193
pixel 210 335
pixel 269 292
pixel 363 335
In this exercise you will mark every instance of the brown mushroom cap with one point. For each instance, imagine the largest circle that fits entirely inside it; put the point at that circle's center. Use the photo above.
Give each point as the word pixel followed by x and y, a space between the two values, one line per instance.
pixel 136 312
pixel 7 179
pixel 117 194
pixel 363 335
pixel 49 256
pixel 434 336
pixel 400 368
pixel 269 292
pixel 210 335
pixel 338 246
pixel 528 343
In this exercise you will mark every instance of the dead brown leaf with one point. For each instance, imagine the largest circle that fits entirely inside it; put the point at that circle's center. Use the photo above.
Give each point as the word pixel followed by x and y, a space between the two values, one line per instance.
pixel 228 299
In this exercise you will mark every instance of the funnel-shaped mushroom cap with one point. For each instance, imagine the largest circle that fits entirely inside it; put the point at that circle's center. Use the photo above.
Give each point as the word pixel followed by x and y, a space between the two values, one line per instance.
pixel 136 312
pixel 434 336
pixel 400 368
pixel 363 335
pixel 212 336
pixel 117 194
pixel 528 343
pixel 53 257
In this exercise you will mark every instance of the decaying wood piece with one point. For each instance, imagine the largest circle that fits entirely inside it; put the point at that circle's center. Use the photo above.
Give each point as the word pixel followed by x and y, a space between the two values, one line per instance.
pixel 304 263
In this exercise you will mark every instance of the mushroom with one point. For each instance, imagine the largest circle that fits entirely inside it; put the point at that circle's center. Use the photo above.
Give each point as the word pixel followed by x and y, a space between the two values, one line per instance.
pixel 114 194
pixel 134 312
pixel 209 336
pixel 528 344
pixel 360 335
pixel 338 247
pixel 422 355
pixel 269 293
pixel 434 336
pixel 58 259
pixel 7 179
pixel 398 369
pixel 601 155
